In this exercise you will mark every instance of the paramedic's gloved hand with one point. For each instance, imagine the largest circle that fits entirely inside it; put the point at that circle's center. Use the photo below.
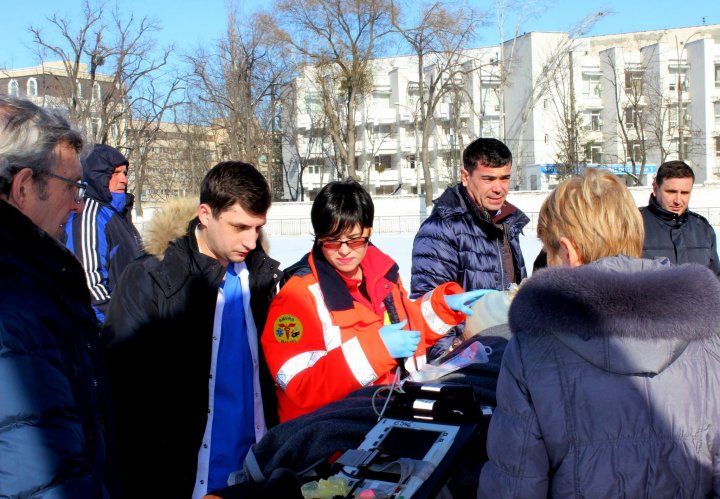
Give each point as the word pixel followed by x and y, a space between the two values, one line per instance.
pixel 462 302
pixel 399 342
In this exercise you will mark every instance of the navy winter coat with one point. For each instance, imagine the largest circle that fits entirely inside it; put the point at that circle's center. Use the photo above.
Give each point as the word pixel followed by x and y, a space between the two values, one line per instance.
pixel 686 238
pixel 51 443
pixel 455 243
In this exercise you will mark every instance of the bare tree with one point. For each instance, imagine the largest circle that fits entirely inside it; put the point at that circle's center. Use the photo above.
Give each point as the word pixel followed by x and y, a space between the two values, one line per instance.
pixel 110 60
pixel 302 142
pixel 637 125
pixel 142 131
pixel 234 87
pixel 338 38
pixel 437 40
pixel 538 87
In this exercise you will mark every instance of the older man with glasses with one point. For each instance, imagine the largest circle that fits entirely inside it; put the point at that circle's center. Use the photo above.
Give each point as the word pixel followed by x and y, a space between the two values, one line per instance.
pixel 51 388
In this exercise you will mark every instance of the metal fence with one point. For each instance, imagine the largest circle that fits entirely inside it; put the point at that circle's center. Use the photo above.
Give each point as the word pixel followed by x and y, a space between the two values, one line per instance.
pixel 409 224
pixel 404 224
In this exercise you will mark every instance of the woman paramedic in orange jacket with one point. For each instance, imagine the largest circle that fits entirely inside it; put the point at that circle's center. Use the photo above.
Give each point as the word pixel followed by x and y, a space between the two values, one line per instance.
pixel 344 318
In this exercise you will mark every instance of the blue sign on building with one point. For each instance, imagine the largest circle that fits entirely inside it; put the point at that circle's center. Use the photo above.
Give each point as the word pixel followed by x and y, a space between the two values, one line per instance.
pixel 550 169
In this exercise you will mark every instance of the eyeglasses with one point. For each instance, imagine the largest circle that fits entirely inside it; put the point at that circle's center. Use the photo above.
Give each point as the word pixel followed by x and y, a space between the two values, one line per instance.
pixel 354 243
pixel 81 186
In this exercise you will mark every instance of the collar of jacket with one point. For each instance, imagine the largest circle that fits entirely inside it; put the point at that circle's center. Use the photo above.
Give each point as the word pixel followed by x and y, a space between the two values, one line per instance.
pixel 375 265
pixel 664 215
pixel 25 244
pixel 455 201
pixel 619 296
pixel 614 312
pixel 183 260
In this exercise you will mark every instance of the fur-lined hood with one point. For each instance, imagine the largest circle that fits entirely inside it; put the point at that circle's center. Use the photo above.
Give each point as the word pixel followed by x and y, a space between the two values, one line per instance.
pixel 621 314
pixel 171 222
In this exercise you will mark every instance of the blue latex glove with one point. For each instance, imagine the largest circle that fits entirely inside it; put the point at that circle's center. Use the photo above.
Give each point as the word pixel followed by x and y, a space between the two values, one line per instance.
pixel 462 302
pixel 399 342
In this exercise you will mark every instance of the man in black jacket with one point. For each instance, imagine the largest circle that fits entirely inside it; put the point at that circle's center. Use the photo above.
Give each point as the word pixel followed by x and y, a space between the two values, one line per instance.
pixel 51 378
pixel 191 387
pixel 673 231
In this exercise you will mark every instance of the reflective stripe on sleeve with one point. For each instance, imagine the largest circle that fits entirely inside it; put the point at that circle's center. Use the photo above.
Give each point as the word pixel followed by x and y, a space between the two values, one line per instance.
pixel 295 365
pixel 358 362
pixel 331 332
pixel 436 324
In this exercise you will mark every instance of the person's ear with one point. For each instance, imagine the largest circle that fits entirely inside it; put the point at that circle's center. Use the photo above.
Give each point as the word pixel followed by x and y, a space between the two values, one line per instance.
pixel 464 175
pixel 569 253
pixel 21 188
pixel 655 188
pixel 204 213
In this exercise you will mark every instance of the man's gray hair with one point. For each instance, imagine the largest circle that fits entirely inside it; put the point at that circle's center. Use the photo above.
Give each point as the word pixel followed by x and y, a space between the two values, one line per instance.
pixel 28 136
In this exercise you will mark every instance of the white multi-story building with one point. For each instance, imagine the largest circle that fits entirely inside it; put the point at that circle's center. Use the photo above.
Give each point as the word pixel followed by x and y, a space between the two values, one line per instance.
pixel 625 102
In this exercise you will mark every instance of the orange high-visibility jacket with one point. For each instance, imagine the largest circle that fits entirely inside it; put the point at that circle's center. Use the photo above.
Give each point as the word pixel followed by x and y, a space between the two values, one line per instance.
pixel 321 344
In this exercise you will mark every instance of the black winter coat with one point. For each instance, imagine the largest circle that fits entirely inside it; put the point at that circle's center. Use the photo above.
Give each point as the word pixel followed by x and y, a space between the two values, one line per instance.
pixel 686 238
pixel 51 384
pixel 159 332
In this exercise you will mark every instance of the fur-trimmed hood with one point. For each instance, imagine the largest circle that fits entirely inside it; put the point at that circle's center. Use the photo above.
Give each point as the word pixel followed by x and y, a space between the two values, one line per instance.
pixel 172 221
pixel 621 314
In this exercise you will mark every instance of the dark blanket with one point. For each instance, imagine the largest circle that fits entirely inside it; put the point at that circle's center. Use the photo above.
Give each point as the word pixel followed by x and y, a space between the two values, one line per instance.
pixel 291 453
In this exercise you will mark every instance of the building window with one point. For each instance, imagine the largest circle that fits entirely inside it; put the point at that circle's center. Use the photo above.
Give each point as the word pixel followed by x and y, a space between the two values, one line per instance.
pixel 96 124
pixel 717 115
pixel 410 161
pixel 13 88
pixel 381 100
pixel 96 91
pixel 79 90
pixel 632 117
pixel 593 121
pixel 717 75
pixel 633 81
pixel 490 126
pixel 634 151
pixel 489 100
pixel 717 146
pixel 591 85
pixel 383 163
pixel 593 153
pixel 32 87
pixel 678 80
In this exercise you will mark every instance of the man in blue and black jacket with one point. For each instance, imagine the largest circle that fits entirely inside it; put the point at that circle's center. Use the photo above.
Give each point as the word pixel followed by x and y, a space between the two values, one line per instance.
pixel 103 236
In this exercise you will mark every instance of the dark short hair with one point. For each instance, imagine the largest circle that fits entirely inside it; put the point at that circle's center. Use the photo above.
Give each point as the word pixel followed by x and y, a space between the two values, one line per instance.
pixel 341 206
pixel 28 137
pixel 233 182
pixel 489 152
pixel 673 169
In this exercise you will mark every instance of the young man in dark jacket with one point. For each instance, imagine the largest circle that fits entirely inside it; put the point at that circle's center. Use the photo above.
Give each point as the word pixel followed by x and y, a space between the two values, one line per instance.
pixel 671 229
pixel 472 236
pixel 52 387
pixel 103 236
pixel 191 387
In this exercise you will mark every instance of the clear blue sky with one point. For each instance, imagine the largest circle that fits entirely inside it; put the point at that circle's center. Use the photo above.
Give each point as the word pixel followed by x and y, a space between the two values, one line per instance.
pixel 189 23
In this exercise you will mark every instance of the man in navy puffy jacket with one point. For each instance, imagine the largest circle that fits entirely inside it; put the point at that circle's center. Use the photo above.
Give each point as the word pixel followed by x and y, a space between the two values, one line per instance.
pixel 103 236
pixel 472 236
pixel 53 392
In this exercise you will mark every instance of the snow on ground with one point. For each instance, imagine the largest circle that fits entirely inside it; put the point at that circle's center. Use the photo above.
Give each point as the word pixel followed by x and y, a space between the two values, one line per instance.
pixel 289 249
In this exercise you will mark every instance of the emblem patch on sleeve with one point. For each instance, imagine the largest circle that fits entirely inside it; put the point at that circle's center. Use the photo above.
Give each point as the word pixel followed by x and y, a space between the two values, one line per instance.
pixel 288 329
